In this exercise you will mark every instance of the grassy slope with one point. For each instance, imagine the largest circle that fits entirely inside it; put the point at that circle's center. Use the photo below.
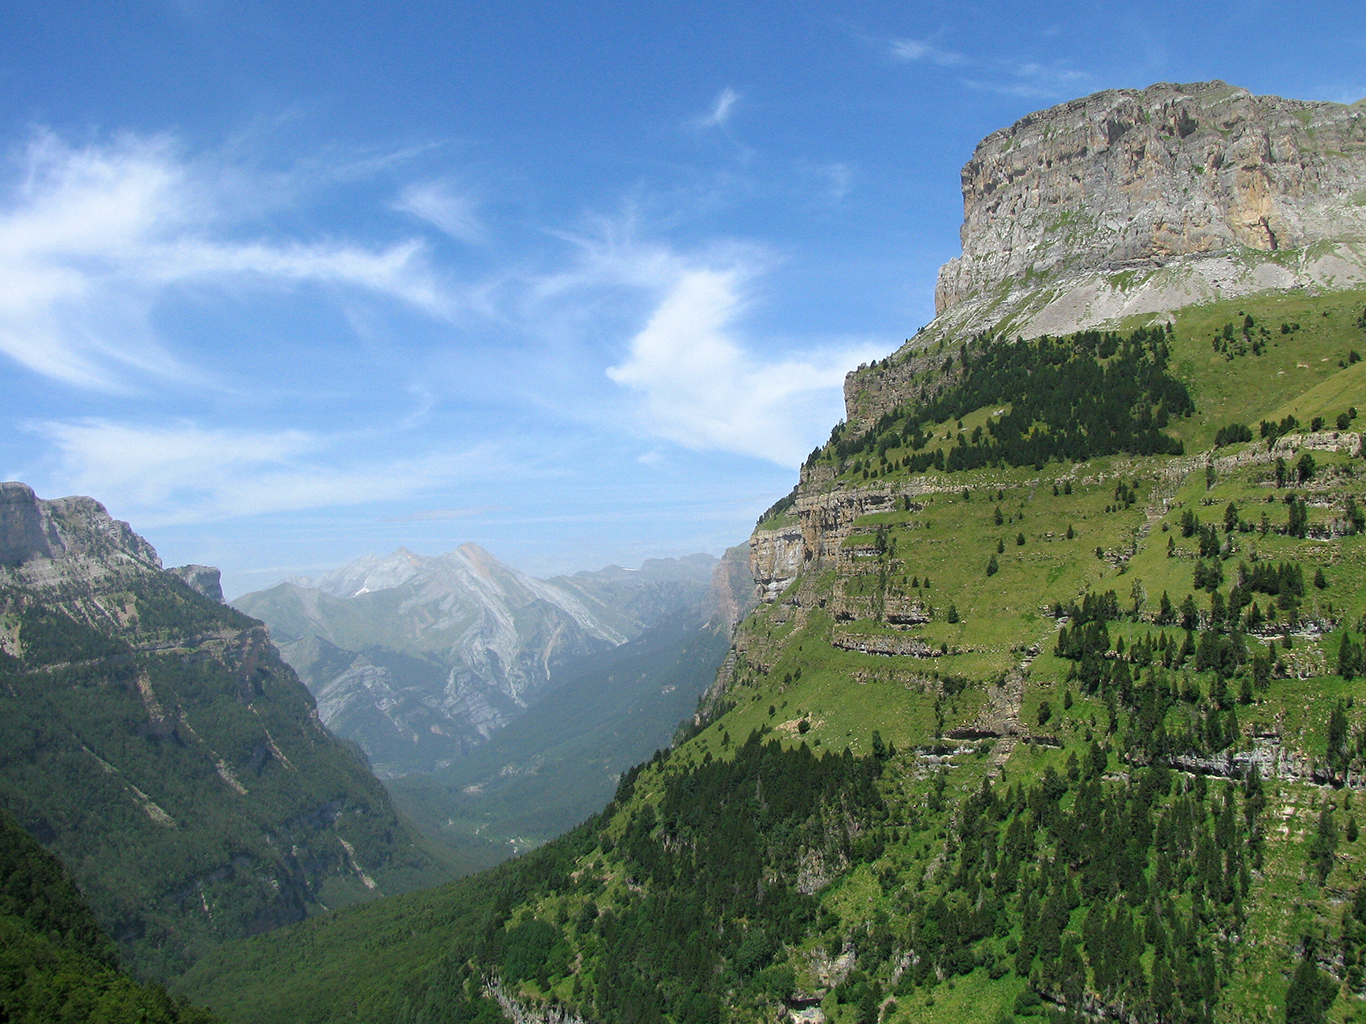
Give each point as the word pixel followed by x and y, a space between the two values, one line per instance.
pixel 842 695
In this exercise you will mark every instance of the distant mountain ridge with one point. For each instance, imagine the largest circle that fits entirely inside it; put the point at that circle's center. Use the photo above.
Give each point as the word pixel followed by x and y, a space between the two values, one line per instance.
pixel 420 659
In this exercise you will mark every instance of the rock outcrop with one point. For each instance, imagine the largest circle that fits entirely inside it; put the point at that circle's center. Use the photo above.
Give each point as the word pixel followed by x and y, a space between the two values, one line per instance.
pixel 1136 179
pixel 1137 202
pixel 202 579
pixel 775 558
pixel 78 531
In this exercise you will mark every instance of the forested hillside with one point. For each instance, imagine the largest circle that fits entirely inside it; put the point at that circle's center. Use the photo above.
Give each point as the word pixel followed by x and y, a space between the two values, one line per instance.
pixel 153 739
pixel 56 964
pixel 1034 731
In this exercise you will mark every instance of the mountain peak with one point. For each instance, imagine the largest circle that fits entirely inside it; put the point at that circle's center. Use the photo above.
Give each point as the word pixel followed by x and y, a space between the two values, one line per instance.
pixel 479 560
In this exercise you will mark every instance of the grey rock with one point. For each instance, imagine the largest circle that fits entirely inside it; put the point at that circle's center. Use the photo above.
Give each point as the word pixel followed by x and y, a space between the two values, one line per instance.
pixel 1135 179
pixel 1133 203
pixel 203 579
pixel 78 531
pixel 420 659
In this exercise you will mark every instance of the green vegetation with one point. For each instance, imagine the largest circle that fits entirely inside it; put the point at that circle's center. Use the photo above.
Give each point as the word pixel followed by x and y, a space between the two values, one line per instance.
pixel 1092 394
pixel 951 777
pixel 56 965
pixel 153 740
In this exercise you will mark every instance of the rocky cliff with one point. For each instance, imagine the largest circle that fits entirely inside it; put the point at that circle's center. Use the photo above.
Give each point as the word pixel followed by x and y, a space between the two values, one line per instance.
pixel 1137 202
pixel 77 531
pixel 202 579
pixel 1136 179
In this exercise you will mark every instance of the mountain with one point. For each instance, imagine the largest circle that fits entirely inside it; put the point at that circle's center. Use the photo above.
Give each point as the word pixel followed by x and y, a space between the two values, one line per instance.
pixel 559 762
pixel 420 659
pixel 1052 708
pixel 1132 202
pixel 152 738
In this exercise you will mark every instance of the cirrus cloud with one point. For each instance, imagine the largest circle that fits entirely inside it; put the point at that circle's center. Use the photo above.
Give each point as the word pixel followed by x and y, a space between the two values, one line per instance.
pixel 185 473
pixel 437 203
pixel 93 237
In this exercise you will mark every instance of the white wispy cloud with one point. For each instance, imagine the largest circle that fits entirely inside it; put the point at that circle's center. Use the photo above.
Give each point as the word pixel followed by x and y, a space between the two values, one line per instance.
pixel 1034 81
pixel 441 515
pixel 93 237
pixel 702 390
pixel 720 110
pixel 918 50
pixel 1030 79
pixel 187 473
pixel 437 203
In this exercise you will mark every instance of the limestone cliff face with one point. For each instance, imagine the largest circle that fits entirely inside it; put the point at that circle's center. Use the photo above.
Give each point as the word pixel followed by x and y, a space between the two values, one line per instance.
pixel 732 595
pixel 202 579
pixel 775 558
pixel 821 521
pixel 77 531
pixel 1137 202
pixel 1130 178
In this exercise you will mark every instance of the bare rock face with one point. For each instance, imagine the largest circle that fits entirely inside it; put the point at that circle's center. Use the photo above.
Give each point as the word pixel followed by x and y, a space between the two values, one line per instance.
pixel 732 595
pixel 79 531
pixel 1133 203
pixel 21 525
pixel 1137 179
pixel 202 579
pixel 775 559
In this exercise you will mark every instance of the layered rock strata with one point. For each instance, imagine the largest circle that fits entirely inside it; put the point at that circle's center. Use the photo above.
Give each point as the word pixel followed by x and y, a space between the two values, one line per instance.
pixel 1136 179
pixel 1131 203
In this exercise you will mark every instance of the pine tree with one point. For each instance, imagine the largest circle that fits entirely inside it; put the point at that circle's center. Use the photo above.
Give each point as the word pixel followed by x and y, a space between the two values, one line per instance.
pixel 1349 657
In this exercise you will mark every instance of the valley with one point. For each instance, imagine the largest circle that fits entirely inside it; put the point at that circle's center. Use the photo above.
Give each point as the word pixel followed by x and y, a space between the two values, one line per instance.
pixel 1157 665
pixel 1045 704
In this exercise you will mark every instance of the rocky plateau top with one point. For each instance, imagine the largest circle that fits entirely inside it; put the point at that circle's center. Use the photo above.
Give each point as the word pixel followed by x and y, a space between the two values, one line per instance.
pixel 1129 178
pixel 1132 203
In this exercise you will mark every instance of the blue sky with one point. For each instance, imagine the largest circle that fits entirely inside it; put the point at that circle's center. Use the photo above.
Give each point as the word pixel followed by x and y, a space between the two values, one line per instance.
pixel 287 283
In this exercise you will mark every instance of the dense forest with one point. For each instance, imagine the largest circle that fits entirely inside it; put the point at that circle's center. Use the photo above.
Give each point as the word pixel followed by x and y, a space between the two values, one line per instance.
pixel 56 964
pixel 1088 395
pixel 155 741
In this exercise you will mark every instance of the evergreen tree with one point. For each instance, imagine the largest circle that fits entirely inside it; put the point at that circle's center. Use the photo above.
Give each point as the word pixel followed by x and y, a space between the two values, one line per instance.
pixel 1349 656
pixel 1310 994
